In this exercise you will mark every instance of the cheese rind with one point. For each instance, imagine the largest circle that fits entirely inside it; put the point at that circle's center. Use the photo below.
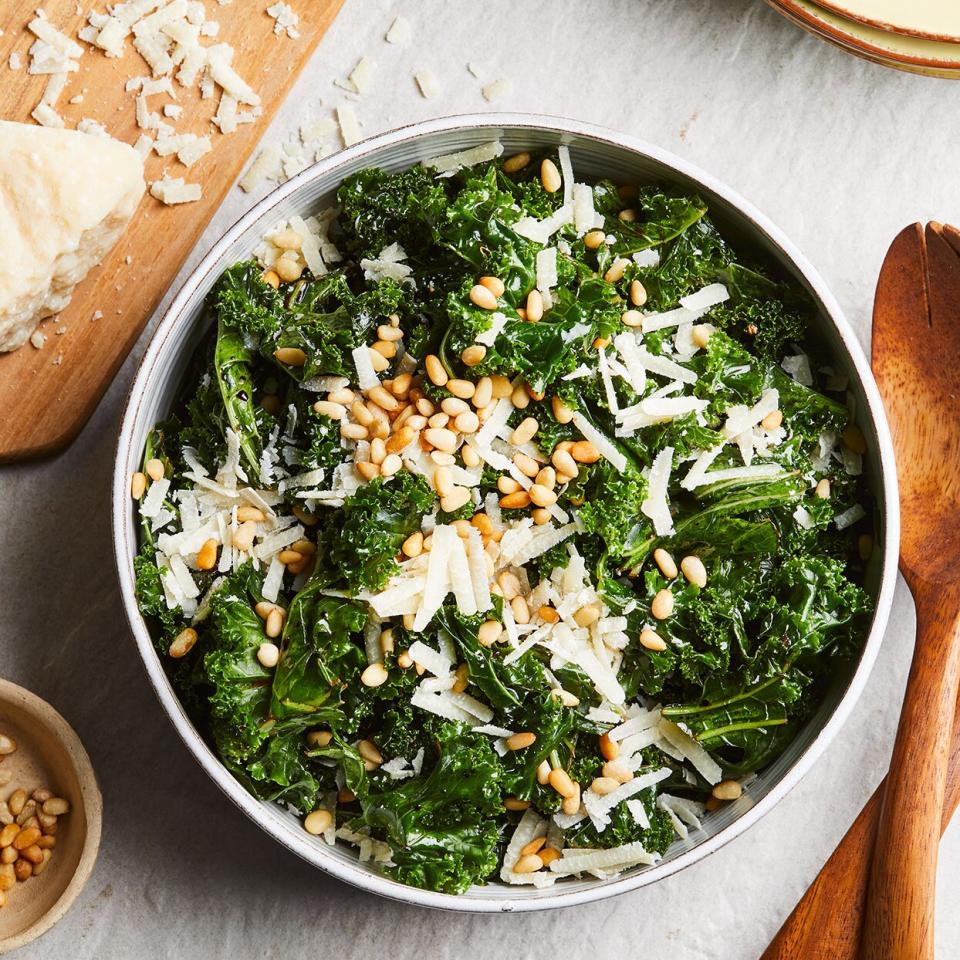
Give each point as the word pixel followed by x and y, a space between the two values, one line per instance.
pixel 65 198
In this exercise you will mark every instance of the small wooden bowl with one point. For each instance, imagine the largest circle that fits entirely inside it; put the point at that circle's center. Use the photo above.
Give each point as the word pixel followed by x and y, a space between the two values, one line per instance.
pixel 49 754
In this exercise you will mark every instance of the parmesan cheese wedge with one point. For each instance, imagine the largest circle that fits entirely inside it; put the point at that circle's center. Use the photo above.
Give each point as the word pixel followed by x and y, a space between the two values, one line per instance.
pixel 65 198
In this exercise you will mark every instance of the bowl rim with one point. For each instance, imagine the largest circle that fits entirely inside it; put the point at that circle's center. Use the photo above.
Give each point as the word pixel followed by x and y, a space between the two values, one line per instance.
pixel 263 814
pixel 47 715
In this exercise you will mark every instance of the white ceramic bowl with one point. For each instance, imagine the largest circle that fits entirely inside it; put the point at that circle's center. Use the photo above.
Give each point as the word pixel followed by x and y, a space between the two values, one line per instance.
pixel 595 152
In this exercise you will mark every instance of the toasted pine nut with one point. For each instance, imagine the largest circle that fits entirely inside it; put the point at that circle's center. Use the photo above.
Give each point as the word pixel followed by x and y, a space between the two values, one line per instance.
pixel 463 678
pixel 534 306
pixel 317 822
pixel 27 837
pixel 662 605
pixel 694 570
pixel 528 864
pixel 454 500
pixel 247 513
pixel 638 293
pixel 463 389
pixel 561 412
pixel 367 470
pixel 17 801
pixel 564 462
pixel 288 270
pixel 378 360
pixel 389 333
pixel 587 615
pixel 547 477
pixel 436 373
pixel 509 583
pixel 493 284
pixel 439 420
pixel 138 484
pixel 823 489
pixel 519 398
pixel 548 614
pixel 327 408
pixel 727 790
pixel 155 469
pixel 526 465
pixel 474 354
pixel 467 422
pixel 263 609
pixel 287 239
pixel 500 386
pixel 483 297
pixel 533 846
pixel 631 318
pixel 616 270
pixel 354 431
pixel 207 555
pixel 243 536
pixel 515 501
pixel 542 496
pixel 853 439
pixel 271 278
pixel 443 481
pixel 401 439
pixel 594 239
pixel 604 785
pixel 424 406
pixel 609 749
pixel 665 562
pixel 489 632
pixel 383 398
pixel 520 741
pixel 583 451
pixel 540 516
pixel 550 176
pixel 516 163
pixel 274 624
pixel 183 643
pixel 470 456
pixel 507 484
pixel 515 803
pixel 772 420
pixel 23 870
pixel 650 640
pixel 319 738
pixel 268 654
pixel 627 215
pixel 378 451
pixel 291 356
pixel 8 834
pixel 521 612
pixel 525 431
pixel 369 751
pixel 561 782
pixel 617 770
pixel 374 676
pixel 700 334
pixel 441 438
pixel 482 393
pixel 549 854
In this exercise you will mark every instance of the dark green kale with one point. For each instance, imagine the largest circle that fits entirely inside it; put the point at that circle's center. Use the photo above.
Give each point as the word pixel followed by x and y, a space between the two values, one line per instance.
pixel 374 522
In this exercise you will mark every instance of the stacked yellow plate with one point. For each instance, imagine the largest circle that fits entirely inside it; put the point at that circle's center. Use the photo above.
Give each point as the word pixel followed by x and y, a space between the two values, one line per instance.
pixel 920 36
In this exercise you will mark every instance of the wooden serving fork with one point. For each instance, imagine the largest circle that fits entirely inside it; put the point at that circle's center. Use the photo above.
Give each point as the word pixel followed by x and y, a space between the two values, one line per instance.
pixel 874 898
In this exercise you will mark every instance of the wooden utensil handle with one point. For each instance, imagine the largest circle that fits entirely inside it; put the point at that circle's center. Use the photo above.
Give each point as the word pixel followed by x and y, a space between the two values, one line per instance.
pixel 827 922
pixel 901 894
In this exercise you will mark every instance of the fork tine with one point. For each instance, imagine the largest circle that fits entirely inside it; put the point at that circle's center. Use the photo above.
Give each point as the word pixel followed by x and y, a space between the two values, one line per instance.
pixel 943 289
pixel 901 311
pixel 951 234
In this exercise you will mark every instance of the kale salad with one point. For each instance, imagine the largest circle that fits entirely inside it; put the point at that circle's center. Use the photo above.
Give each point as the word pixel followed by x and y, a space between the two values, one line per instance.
pixel 505 525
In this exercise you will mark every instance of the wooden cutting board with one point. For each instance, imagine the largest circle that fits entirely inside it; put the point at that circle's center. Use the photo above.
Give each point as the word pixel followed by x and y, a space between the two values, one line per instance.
pixel 47 395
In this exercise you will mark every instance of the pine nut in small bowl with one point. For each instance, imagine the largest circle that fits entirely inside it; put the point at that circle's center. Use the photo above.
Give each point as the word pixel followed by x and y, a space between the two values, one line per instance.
pixel 50 816
pixel 363 599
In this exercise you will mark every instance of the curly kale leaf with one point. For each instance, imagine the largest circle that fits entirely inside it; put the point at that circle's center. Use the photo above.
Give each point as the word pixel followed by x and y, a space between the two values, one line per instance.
pixel 611 508
pixel 374 523
pixel 240 702
pixel 443 826
pixel 321 656
pixel 379 208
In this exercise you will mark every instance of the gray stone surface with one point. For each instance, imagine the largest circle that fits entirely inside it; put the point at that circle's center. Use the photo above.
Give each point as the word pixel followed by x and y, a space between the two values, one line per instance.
pixel 840 153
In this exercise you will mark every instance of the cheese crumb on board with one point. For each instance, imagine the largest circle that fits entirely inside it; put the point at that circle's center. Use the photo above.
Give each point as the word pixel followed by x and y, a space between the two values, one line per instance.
pixel 286 19
pixel 174 190
pixel 349 124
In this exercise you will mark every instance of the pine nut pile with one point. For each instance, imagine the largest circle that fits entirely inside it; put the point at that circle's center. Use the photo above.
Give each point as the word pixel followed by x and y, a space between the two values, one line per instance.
pixel 28 826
